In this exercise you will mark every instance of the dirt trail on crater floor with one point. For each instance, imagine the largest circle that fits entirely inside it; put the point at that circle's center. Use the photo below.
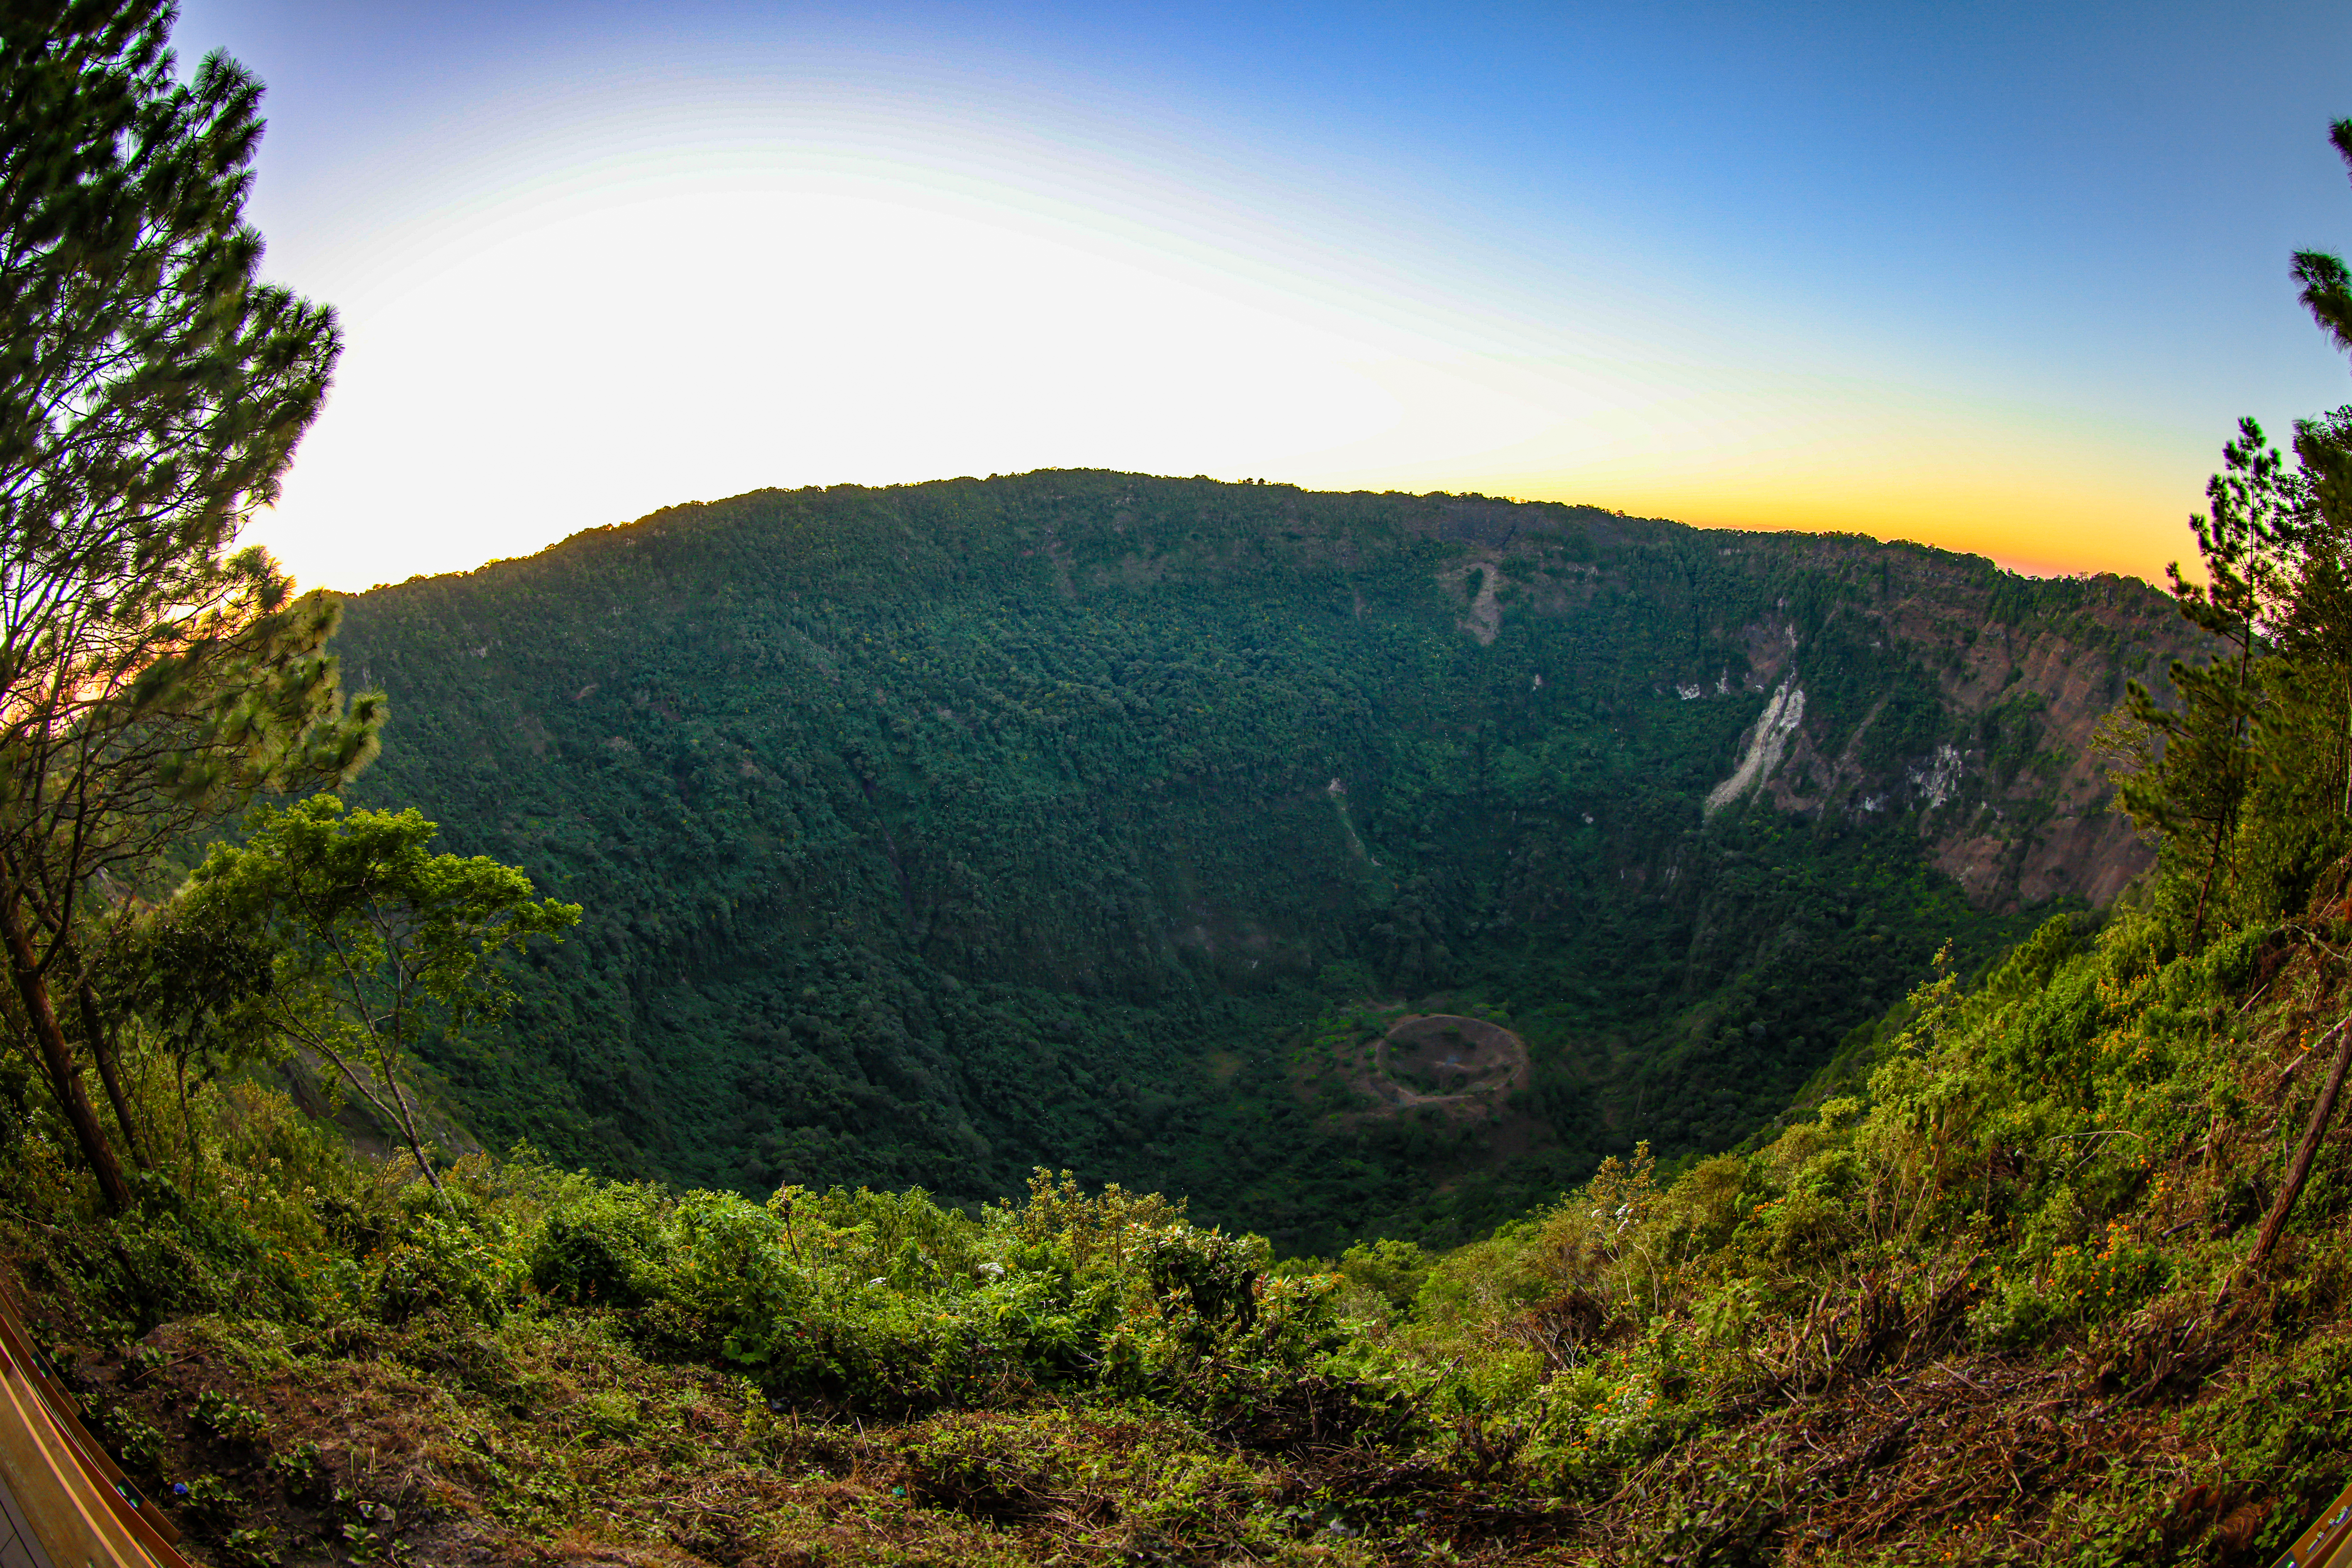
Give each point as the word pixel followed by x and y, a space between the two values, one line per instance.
pixel 1442 1059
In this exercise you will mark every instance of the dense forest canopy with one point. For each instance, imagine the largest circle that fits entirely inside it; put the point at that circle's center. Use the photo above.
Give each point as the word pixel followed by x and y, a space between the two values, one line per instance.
pixel 927 835
pixel 1714 911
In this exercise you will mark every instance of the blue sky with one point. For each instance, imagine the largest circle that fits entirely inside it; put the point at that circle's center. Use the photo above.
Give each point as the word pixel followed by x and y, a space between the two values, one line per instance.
pixel 1997 277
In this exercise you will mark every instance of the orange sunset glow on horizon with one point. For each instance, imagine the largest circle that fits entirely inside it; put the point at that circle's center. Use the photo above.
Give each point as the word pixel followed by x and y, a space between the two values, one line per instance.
pixel 586 272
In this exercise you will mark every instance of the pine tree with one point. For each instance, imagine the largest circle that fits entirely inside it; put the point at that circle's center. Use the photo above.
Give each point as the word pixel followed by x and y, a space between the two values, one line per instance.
pixel 2199 759
pixel 2327 284
pixel 151 391
pixel 2318 622
pixel 2251 772
pixel 2298 820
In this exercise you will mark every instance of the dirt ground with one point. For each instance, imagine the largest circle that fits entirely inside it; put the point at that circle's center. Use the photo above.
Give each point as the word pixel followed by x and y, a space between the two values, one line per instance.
pixel 1461 1064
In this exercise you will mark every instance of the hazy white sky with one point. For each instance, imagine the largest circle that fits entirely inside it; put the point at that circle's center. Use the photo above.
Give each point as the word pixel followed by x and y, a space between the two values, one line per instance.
pixel 1999 280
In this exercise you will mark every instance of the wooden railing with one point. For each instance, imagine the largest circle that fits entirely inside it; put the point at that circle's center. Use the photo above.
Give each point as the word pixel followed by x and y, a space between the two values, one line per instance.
pixel 2328 1542
pixel 64 1502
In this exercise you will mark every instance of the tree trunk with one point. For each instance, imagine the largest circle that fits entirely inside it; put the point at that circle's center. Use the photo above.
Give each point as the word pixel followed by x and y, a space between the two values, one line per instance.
pixel 188 1122
pixel 64 1074
pixel 2212 869
pixel 2238 782
pixel 2298 1173
pixel 101 1051
pixel 416 1139
pixel 2344 747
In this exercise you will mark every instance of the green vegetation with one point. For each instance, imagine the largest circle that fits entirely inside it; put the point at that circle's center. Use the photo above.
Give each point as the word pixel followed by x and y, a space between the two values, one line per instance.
pixel 152 390
pixel 932 827
pixel 1999 1306
pixel 927 836
pixel 375 943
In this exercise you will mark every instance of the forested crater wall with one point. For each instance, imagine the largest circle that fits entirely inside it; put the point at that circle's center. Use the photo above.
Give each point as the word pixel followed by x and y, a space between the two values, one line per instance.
pixel 926 834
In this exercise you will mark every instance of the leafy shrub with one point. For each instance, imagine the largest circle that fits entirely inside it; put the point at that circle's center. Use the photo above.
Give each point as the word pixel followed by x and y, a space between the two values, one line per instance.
pixel 138 1446
pixel 1379 1278
pixel 443 1265
pixel 212 1501
pixel 229 1420
pixel 1207 1280
pixel 2075 1287
pixel 606 1247
pixel 1153 1473
pixel 300 1468
pixel 255 1548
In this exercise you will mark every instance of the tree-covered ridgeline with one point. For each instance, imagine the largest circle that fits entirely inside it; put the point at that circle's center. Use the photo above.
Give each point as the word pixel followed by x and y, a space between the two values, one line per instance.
pixel 2059 1279
pixel 929 834
pixel 2048 1266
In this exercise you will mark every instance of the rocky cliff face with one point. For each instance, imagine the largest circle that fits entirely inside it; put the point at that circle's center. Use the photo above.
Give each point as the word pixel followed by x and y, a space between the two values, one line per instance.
pixel 2012 799
pixel 2008 792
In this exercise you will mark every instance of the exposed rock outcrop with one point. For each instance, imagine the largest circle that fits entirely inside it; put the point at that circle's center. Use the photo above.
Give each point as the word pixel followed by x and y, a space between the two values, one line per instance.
pixel 2015 804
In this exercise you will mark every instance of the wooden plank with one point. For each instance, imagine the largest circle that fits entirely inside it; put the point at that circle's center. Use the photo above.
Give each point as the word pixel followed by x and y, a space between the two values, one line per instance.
pixel 137 1508
pixel 21 1550
pixel 2328 1542
pixel 63 1498
pixel 72 1524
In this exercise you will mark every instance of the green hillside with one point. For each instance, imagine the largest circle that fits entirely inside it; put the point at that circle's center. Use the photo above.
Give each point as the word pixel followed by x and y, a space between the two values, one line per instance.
pixel 2050 1273
pixel 928 835
pixel 1085 1018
